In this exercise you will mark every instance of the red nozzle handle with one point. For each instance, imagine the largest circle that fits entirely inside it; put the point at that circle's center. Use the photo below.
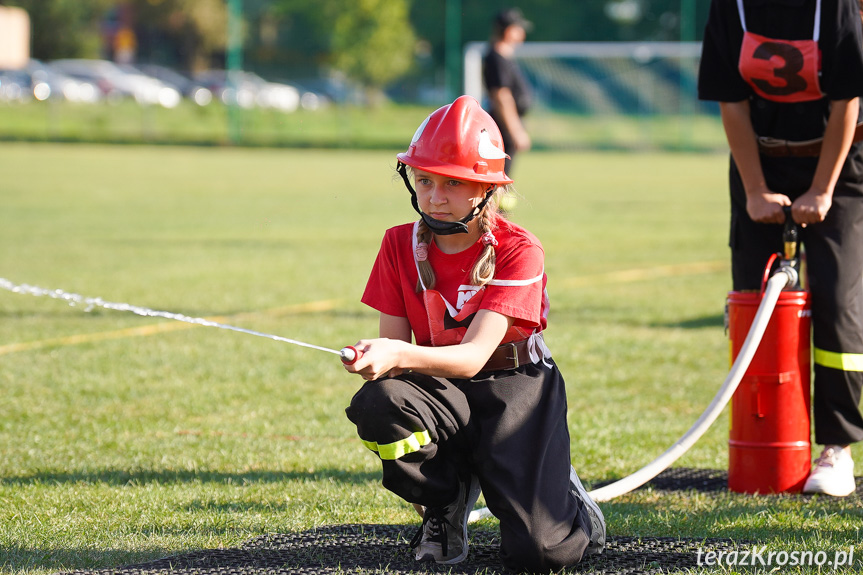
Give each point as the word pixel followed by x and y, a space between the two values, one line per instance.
pixel 350 355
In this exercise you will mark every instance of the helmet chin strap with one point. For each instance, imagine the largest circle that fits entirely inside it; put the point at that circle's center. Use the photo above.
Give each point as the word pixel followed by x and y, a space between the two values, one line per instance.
pixel 437 226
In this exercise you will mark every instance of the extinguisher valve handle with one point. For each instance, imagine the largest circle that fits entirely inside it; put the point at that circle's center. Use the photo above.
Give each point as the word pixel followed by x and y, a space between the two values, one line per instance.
pixel 790 235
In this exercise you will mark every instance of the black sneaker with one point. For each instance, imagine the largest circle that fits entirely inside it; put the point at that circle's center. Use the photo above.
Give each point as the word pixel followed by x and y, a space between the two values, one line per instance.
pixel 597 520
pixel 443 535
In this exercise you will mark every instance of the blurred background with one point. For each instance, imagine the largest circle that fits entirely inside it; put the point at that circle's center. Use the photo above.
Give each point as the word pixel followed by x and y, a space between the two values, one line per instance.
pixel 607 74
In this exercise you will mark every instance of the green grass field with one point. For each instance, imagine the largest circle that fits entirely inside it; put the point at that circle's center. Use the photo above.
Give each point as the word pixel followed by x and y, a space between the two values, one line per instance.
pixel 345 127
pixel 124 439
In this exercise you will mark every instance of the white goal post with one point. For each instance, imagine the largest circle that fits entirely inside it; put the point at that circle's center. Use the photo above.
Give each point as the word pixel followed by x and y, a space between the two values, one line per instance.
pixel 638 53
pixel 650 86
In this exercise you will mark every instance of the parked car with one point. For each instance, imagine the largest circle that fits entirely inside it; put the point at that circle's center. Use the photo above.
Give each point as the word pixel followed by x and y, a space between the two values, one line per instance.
pixel 248 90
pixel 14 86
pixel 194 91
pixel 150 90
pixel 334 89
pixel 240 93
pixel 118 82
pixel 310 99
pixel 47 83
pixel 104 75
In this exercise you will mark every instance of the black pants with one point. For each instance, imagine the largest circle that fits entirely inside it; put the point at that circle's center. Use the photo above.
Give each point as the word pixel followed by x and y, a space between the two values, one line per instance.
pixel 834 262
pixel 509 430
pixel 508 145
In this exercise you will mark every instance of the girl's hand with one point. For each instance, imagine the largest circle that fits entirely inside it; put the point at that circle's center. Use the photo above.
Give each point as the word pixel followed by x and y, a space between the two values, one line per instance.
pixel 811 207
pixel 393 354
pixel 380 358
pixel 766 207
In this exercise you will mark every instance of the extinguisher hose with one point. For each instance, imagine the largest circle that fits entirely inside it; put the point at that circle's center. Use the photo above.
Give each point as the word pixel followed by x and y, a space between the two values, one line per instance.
pixel 775 285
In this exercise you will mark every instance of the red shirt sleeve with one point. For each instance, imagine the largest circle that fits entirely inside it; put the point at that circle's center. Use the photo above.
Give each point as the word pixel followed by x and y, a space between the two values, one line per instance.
pixel 518 288
pixel 383 290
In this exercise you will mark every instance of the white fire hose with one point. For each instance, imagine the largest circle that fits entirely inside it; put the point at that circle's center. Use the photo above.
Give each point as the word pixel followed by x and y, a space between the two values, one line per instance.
pixel 784 277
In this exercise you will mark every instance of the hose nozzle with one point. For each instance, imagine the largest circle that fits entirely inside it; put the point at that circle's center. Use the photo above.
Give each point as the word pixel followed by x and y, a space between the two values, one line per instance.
pixel 350 355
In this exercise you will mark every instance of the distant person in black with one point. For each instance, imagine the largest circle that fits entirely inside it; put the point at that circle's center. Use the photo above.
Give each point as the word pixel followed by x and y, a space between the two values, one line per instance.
pixel 788 76
pixel 509 93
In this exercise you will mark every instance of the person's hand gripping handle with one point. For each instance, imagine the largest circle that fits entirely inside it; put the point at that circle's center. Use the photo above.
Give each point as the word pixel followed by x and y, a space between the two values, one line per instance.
pixel 350 355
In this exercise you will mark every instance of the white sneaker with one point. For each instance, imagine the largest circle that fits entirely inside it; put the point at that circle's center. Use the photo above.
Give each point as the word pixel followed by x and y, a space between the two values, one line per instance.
pixel 832 473
pixel 597 520
pixel 442 538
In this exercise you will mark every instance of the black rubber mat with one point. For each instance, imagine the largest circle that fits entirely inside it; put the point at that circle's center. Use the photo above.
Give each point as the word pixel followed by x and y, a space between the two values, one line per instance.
pixel 384 548
pixel 705 480
pixel 684 478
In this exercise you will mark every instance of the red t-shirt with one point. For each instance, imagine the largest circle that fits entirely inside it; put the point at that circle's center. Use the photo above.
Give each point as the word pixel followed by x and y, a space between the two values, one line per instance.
pixel 517 290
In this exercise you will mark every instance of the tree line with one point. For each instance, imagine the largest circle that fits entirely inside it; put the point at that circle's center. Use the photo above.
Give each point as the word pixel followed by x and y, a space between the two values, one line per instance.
pixel 371 42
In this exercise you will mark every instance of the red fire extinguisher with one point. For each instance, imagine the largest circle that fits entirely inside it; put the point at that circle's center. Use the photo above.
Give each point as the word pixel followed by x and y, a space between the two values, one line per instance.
pixel 769 439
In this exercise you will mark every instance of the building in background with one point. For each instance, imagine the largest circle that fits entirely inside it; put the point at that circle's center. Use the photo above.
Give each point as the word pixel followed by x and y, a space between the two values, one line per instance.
pixel 14 37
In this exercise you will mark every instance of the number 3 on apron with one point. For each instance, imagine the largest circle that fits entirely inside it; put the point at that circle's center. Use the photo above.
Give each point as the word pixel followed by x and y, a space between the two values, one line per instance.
pixel 781 70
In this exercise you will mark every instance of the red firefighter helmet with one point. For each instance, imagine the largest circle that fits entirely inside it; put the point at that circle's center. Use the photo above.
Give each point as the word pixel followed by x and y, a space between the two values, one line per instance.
pixel 460 140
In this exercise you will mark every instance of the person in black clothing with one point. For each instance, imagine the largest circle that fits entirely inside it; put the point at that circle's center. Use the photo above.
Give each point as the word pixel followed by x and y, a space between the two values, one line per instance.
pixel 788 75
pixel 509 93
